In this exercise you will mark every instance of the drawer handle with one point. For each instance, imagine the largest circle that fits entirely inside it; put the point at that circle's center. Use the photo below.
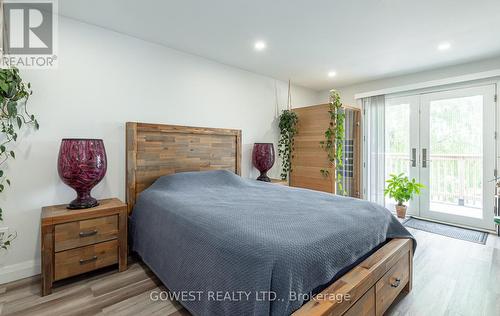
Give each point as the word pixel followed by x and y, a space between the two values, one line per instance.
pixel 88 233
pixel 84 261
pixel 396 282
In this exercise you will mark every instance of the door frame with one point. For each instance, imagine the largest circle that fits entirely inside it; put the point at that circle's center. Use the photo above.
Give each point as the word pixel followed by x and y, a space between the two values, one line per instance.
pixel 416 97
pixel 489 154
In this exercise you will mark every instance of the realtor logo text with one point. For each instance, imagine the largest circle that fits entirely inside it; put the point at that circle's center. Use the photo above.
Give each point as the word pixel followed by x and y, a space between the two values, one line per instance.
pixel 29 34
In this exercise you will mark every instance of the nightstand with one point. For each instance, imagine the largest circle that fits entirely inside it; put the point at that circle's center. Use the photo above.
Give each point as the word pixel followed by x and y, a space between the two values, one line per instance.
pixel 79 241
pixel 279 181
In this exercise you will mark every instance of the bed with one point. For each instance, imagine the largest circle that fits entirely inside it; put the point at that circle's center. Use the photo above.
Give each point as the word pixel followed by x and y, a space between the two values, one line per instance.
pixel 236 246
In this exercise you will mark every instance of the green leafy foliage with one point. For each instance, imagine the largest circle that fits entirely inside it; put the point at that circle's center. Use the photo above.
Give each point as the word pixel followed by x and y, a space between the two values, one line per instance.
pixel 6 241
pixel 334 139
pixel 401 189
pixel 14 95
pixel 288 128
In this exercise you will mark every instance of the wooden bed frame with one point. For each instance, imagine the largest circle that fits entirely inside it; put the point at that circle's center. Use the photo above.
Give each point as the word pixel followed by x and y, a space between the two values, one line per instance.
pixel 154 150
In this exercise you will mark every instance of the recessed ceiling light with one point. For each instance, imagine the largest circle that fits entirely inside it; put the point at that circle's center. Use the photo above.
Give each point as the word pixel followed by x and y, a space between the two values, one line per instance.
pixel 332 74
pixel 260 45
pixel 444 46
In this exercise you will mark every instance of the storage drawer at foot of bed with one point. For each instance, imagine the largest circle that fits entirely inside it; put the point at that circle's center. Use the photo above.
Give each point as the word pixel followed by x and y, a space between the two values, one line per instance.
pixel 391 284
pixel 364 306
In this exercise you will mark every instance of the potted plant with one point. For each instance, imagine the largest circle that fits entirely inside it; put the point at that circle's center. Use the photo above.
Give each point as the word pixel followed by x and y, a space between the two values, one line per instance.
pixel 401 189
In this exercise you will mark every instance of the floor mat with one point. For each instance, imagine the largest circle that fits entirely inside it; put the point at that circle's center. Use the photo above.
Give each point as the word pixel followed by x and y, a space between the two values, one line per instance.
pixel 447 230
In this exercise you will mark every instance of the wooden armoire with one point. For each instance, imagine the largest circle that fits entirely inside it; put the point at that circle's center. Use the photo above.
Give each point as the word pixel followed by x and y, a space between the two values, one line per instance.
pixel 309 158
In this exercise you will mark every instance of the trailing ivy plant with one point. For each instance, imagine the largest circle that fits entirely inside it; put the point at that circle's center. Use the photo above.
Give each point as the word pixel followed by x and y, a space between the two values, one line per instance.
pixel 288 128
pixel 14 95
pixel 334 139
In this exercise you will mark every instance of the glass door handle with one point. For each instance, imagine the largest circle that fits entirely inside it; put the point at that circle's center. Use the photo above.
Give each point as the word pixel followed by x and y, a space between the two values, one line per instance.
pixel 413 159
pixel 424 158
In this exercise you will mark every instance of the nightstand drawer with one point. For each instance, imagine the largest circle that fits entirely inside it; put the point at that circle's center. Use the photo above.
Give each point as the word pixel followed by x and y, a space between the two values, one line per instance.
pixel 86 232
pixel 80 260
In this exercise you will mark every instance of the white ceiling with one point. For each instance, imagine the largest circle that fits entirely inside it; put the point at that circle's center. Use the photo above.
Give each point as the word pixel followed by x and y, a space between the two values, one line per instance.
pixel 361 40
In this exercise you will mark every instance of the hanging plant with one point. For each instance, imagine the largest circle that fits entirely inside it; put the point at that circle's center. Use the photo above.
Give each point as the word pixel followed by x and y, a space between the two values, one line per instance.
pixel 334 139
pixel 288 128
pixel 14 95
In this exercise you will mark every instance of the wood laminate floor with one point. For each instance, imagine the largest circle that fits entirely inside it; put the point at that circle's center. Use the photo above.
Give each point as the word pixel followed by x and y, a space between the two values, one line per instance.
pixel 451 277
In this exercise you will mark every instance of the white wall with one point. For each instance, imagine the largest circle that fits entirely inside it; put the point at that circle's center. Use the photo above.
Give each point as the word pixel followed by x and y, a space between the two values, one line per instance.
pixel 348 92
pixel 105 79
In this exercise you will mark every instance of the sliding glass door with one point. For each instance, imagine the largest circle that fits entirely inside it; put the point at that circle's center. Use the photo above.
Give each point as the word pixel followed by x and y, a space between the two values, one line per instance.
pixel 445 140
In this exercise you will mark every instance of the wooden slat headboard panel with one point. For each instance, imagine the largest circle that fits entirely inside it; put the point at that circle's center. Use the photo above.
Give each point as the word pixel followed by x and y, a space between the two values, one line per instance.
pixel 155 150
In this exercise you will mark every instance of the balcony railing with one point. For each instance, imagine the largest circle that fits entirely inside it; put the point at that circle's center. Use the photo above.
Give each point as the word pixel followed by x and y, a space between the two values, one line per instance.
pixel 454 179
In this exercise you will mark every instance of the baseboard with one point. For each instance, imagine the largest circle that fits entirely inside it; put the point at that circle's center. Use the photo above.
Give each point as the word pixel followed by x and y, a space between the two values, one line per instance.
pixel 19 271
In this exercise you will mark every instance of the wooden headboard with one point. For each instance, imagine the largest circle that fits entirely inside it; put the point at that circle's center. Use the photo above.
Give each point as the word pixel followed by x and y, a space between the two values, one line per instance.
pixel 155 150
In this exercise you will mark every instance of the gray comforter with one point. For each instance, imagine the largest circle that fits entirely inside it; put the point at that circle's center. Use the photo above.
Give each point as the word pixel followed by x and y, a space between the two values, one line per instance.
pixel 235 246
